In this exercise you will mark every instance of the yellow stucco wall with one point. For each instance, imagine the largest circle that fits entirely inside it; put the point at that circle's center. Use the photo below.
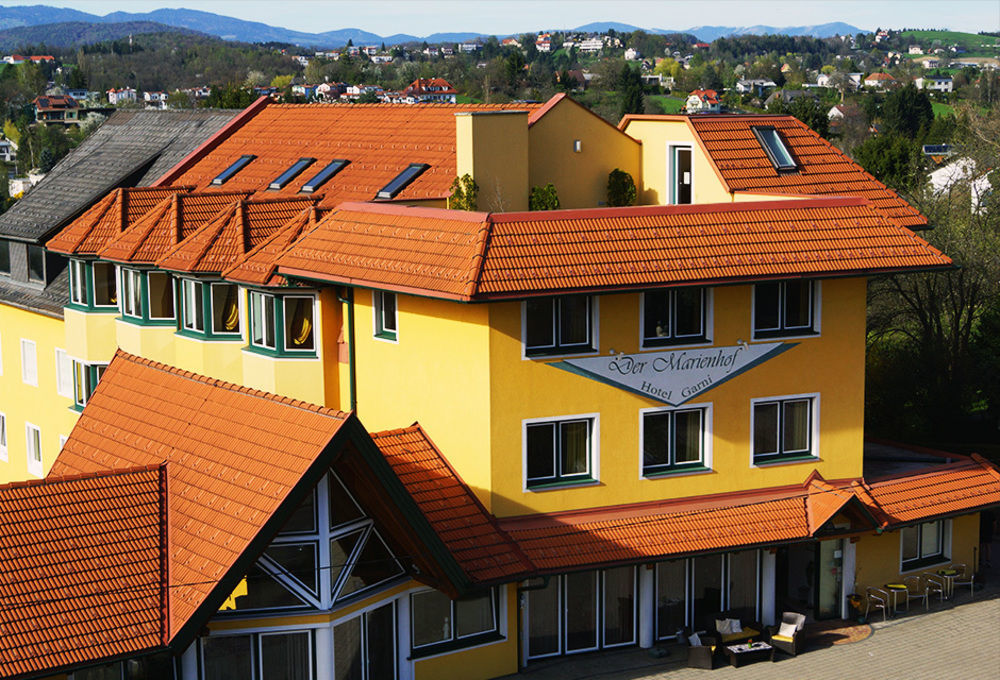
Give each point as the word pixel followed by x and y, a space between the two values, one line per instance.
pixel 580 178
pixel 878 555
pixel 21 403
pixel 437 373
pixel 90 336
pixel 523 389
pixel 220 359
pixel 655 136
pixel 152 342
pixel 493 147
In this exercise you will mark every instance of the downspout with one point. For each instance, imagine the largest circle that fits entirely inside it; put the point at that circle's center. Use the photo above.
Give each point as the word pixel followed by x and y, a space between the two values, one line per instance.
pixel 348 299
pixel 521 657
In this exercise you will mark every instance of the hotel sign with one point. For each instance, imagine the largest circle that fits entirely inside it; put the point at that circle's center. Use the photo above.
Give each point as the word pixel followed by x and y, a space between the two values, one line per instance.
pixel 675 376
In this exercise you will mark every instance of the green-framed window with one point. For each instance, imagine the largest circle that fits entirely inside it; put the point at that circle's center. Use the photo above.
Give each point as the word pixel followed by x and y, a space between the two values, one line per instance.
pixel 209 309
pixel 784 428
pixel 85 379
pixel 147 297
pixel 93 286
pixel 384 304
pixel 282 324
pixel 674 440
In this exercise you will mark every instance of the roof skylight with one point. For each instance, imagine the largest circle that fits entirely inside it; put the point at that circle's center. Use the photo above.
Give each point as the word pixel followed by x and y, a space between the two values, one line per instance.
pixel 291 173
pixel 775 148
pixel 331 169
pixel 402 180
pixel 228 173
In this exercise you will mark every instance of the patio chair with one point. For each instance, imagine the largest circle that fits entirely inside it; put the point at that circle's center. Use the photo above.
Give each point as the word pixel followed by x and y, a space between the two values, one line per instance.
pixel 706 655
pixel 876 598
pixel 964 577
pixel 920 588
pixel 936 582
pixel 789 637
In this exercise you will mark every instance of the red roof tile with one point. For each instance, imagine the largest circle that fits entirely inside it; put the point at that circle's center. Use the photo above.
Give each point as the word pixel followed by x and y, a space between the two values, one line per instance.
pixel 109 217
pixel 165 226
pixel 231 234
pixel 379 140
pixel 478 256
pixel 233 455
pixel 258 266
pixel 469 532
pixel 81 569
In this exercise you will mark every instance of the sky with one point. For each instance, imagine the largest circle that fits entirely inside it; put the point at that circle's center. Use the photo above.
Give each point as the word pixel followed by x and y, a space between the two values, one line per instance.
pixel 423 17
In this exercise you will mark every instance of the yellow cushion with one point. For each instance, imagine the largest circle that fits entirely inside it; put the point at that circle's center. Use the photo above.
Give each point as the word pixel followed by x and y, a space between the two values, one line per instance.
pixel 948 572
pixel 896 586
pixel 712 648
pixel 745 635
pixel 782 638
pixel 751 631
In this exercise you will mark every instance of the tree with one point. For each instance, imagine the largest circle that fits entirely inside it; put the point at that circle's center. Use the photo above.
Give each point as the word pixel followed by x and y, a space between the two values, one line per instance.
pixel 893 159
pixel 464 193
pixel 630 90
pixel 543 198
pixel 178 100
pixel 621 188
pixel 907 112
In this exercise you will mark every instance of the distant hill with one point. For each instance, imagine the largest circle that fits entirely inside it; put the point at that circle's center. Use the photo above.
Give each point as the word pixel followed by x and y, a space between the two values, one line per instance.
pixel 74 33
pixel 230 28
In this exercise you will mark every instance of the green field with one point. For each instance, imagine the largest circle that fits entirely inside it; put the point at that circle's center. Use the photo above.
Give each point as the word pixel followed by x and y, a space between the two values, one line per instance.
pixel 942 109
pixel 668 104
pixel 466 99
pixel 975 45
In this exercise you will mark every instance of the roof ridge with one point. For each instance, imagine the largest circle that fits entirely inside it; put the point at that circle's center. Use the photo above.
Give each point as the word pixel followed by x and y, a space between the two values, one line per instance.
pixel 232 387
pixel 216 224
pixel 62 479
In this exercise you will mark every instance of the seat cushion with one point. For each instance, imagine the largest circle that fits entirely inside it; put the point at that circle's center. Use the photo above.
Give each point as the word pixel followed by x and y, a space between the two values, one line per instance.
pixel 782 638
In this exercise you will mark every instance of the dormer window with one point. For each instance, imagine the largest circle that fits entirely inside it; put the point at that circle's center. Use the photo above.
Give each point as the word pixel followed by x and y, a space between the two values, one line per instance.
pixel 4 256
pixel 228 173
pixel 36 264
pixel 402 180
pixel 320 178
pixel 291 173
pixel 774 147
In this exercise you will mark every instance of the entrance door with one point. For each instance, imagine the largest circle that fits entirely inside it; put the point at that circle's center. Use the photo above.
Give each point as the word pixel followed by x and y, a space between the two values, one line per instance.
pixel 680 175
pixel 795 584
pixel 829 581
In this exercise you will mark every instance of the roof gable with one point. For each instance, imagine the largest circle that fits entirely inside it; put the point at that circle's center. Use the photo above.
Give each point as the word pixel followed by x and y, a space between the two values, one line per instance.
pixel 258 266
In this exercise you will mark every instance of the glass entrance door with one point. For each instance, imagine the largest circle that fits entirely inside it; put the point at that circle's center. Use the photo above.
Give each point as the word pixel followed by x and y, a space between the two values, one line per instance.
pixel 829 584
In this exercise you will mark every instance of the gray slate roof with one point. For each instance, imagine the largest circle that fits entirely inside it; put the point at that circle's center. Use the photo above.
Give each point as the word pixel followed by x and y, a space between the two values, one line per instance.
pixel 131 148
pixel 48 301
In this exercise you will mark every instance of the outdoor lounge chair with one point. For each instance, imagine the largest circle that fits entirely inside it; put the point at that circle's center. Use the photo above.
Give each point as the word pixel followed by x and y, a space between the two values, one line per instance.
pixel 707 655
pixel 789 641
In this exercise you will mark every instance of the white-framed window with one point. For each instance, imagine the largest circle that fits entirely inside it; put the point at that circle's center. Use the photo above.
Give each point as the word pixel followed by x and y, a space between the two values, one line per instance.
pixel 678 316
pixel 78 282
pixel 193 305
pixel 786 308
pixel 675 439
pixel 285 655
pixel 364 646
pixel 924 544
pixel 300 331
pixel 785 428
pixel 64 373
pixel 3 437
pixel 85 379
pixel 680 174
pixel 29 363
pixel 559 325
pixel 561 450
pixel 160 296
pixel 33 442
pixel 225 309
pixel 384 306
pixel 132 293
pixel 160 665
pixel 439 623
pixel 262 320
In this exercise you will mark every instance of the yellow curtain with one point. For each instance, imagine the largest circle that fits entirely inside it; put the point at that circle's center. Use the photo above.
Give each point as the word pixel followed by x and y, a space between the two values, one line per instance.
pixel 231 311
pixel 301 327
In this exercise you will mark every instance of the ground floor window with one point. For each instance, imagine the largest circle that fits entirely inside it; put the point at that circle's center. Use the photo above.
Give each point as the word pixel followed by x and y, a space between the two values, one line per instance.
pixel 287 655
pixel 923 545
pixel 364 648
pixel 154 667
pixel 690 592
pixel 582 611
pixel 440 623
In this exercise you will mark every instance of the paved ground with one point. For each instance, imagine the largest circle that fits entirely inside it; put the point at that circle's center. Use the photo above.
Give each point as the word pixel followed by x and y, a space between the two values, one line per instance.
pixel 954 640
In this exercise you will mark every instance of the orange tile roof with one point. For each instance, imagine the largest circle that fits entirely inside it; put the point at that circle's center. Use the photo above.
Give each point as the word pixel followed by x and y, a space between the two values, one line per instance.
pixel 81 569
pixel 469 532
pixel 258 266
pixel 231 234
pixel 379 140
pixel 479 256
pixel 233 456
pixel 108 218
pixel 166 225
pixel 742 165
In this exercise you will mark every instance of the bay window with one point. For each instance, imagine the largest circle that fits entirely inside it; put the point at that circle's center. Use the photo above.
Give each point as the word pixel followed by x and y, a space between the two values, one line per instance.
pixel 193 305
pixel 282 324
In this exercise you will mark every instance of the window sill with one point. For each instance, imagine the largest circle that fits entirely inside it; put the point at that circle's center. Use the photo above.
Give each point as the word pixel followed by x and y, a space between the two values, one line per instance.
pixel 276 354
pixel 462 643
pixel 924 564
pixel 657 343
pixel 779 460
pixel 559 352
pixel 204 337
pixel 562 484
pixel 676 472
pixel 388 337
pixel 92 310
pixel 155 323
pixel 792 334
